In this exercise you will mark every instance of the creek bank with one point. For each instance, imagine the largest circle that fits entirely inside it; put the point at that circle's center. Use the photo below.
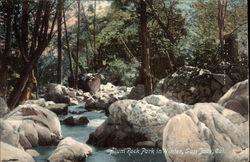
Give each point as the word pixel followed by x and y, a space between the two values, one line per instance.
pixel 200 132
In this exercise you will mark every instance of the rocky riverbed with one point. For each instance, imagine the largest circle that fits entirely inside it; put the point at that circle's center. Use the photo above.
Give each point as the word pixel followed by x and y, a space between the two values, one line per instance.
pixel 118 128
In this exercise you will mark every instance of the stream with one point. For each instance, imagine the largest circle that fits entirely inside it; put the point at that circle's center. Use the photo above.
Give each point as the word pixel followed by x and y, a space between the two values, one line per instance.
pixel 81 134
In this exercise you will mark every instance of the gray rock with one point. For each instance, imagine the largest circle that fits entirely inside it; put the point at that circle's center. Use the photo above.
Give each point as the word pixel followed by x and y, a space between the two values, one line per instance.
pixel 137 93
pixel 132 121
pixel 58 108
pixel 3 107
pixel 32 152
pixel 11 153
pixel 191 85
pixel 41 102
pixel 57 93
pixel 223 79
pixel 8 134
pixel 107 95
pixel 36 125
pixel 237 98
pixel 76 120
pixel 208 132
pixel 70 150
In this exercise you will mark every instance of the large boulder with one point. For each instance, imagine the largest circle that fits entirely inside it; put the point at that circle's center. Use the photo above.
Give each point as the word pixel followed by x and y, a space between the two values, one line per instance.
pixel 36 125
pixel 191 85
pixel 237 98
pixel 88 82
pixel 70 150
pixel 57 93
pixel 137 92
pixel 11 153
pixel 8 134
pixel 76 120
pixel 208 132
pixel 132 122
pixel 3 107
pixel 107 95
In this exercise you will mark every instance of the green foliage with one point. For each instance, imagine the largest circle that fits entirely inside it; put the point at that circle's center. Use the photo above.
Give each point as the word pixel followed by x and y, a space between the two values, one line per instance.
pixel 122 73
pixel 201 46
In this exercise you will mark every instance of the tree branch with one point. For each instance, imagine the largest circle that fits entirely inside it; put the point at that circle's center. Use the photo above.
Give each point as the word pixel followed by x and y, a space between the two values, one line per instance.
pixel 162 25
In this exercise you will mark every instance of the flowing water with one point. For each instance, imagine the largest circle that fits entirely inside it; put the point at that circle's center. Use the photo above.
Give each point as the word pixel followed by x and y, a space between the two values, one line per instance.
pixel 81 134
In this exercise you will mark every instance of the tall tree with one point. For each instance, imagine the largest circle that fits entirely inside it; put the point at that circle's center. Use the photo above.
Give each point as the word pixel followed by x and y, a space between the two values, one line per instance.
pixel 146 46
pixel 94 38
pixel 77 44
pixel 68 47
pixel 59 41
pixel 8 18
pixel 222 8
pixel 38 39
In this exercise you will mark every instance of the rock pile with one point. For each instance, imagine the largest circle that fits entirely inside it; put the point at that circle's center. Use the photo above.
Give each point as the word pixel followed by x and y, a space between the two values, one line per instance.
pixel 27 126
pixel 200 132
pixel 191 85
pixel 101 99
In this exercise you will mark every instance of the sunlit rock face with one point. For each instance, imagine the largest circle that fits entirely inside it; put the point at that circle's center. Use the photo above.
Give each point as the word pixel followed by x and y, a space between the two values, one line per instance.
pixel 36 125
pixel 70 150
pixel 132 122
pixel 191 85
pixel 208 132
pixel 237 98
pixel 11 153
pixel 57 93
pixel 8 134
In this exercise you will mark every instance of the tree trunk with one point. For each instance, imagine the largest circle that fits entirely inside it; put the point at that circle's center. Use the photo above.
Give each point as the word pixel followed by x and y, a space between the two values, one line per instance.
pixel 19 88
pixel 40 40
pixel 77 48
pixel 31 84
pixel 7 49
pixel 94 39
pixel 222 7
pixel 68 47
pixel 59 41
pixel 146 43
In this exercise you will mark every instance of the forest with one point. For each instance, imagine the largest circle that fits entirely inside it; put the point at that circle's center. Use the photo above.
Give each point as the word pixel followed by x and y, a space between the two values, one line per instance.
pixel 124 80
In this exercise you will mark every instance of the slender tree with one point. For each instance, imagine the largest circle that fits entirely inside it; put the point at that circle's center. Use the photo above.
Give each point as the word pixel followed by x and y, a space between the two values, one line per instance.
pixel 96 57
pixel 59 41
pixel 8 6
pixel 222 8
pixel 77 45
pixel 68 47
pixel 146 45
